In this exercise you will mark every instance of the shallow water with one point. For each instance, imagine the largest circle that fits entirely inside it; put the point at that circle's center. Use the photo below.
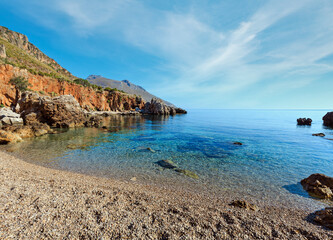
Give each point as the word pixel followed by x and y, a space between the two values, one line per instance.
pixel 276 153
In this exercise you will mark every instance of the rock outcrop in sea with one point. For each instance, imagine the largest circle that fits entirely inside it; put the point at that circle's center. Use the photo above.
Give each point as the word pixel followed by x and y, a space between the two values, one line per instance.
pixel 157 107
pixel 328 119
pixel 304 121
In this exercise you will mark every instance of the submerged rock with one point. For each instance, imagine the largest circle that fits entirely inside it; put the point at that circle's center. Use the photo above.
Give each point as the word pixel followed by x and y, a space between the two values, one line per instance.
pixel 319 134
pixel 244 204
pixel 319 185
pixel 187 173
pixel 167 164
pixel 151 150
pixel 324 217
pixel 304 121
pixel 77 146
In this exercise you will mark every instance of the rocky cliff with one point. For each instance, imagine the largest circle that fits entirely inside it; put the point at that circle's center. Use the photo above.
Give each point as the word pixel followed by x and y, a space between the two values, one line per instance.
pixel 88 98
pixel 14 42
pixel 22 61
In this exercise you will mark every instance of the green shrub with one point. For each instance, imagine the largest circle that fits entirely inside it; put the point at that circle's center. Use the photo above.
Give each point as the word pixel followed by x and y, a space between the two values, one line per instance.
pixel 2 106
pixel 82 82
pixel 20 83
pixel 42 92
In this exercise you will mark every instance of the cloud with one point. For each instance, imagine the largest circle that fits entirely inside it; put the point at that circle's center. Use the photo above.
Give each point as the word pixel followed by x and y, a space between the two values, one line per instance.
pixel 282 41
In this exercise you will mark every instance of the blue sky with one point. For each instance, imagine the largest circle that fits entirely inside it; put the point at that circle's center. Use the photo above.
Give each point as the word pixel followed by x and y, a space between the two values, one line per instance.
pixel 196 54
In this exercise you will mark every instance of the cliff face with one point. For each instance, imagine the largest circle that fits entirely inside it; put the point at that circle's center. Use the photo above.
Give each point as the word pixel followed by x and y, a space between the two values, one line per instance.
pixel 88 98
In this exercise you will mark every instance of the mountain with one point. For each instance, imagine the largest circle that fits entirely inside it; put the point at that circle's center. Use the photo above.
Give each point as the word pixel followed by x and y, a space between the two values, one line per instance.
pixel 125 86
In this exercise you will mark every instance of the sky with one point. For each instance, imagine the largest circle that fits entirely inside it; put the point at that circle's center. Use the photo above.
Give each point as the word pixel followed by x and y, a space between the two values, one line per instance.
pixel 204 54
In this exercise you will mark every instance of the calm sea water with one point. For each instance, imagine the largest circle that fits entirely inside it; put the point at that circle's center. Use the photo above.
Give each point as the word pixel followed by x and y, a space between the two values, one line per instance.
pixel 276 153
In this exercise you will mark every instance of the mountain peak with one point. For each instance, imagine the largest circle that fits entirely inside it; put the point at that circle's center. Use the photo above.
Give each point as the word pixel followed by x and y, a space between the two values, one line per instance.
pixel 91 77
pixel 124 85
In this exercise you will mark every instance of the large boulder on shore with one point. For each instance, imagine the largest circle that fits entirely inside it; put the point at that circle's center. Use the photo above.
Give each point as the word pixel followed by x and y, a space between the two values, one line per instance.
pixel 328 119
pixel 157 107
pixel 63 111
pixel 319 185
pixel 8 117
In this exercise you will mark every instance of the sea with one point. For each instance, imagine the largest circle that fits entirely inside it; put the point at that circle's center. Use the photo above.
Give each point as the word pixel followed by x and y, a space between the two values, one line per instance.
pixel 274 157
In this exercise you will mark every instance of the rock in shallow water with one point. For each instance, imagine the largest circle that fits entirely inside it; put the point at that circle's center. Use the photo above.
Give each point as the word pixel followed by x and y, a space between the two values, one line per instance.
pixel 319 134
pixel 187 173
pixel 151 150
pixel 167 164
pixel 319 185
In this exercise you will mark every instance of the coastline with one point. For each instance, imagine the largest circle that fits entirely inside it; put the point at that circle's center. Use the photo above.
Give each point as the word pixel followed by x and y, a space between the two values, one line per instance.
pixel 52 204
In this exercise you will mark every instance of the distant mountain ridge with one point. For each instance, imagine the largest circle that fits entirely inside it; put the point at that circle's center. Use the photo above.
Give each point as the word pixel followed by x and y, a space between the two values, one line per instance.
pixel 125 86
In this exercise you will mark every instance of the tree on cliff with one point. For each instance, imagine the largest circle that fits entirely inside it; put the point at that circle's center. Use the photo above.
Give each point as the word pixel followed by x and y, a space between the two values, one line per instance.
pixel 20 83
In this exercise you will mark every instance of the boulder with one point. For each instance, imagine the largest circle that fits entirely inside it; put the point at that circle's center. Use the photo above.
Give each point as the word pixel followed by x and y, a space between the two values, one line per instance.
pixel 157 107
pixel 324 217
pixel 304 121
pixel 328 119
pixel 8 117
pixel 319 185
pixel 63 111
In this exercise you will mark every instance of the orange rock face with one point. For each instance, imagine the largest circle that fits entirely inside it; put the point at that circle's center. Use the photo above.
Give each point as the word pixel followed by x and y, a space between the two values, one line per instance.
pixel 88 98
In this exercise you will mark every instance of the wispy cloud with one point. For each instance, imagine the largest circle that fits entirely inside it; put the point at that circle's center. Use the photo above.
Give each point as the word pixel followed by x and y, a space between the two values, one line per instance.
pixel 280 41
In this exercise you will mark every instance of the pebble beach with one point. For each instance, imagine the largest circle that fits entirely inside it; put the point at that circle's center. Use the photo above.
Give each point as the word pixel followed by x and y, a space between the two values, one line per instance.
pixel 42 203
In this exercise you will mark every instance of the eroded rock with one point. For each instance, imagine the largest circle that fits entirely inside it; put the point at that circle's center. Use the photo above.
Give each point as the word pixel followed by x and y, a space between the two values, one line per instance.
pixel 8 117
pixel 157 107
pixel 319 185
pixel 63 111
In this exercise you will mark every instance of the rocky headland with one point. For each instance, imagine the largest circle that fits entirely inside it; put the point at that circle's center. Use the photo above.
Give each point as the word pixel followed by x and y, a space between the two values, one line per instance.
pixel 39 94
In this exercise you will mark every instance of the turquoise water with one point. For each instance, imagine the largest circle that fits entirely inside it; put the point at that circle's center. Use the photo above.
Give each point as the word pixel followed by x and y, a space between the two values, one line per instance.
pixel 276 153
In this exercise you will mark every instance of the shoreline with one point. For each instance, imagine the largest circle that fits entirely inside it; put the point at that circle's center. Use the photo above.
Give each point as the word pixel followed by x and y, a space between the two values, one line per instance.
pixel 49 203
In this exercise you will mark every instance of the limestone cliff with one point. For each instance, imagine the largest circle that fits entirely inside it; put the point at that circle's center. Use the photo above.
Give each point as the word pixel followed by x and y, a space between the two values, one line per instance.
pixel 22 53
pixel 88 98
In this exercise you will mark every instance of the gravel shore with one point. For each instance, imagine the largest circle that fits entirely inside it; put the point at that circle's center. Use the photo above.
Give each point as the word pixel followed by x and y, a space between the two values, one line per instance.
pixel 42 203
